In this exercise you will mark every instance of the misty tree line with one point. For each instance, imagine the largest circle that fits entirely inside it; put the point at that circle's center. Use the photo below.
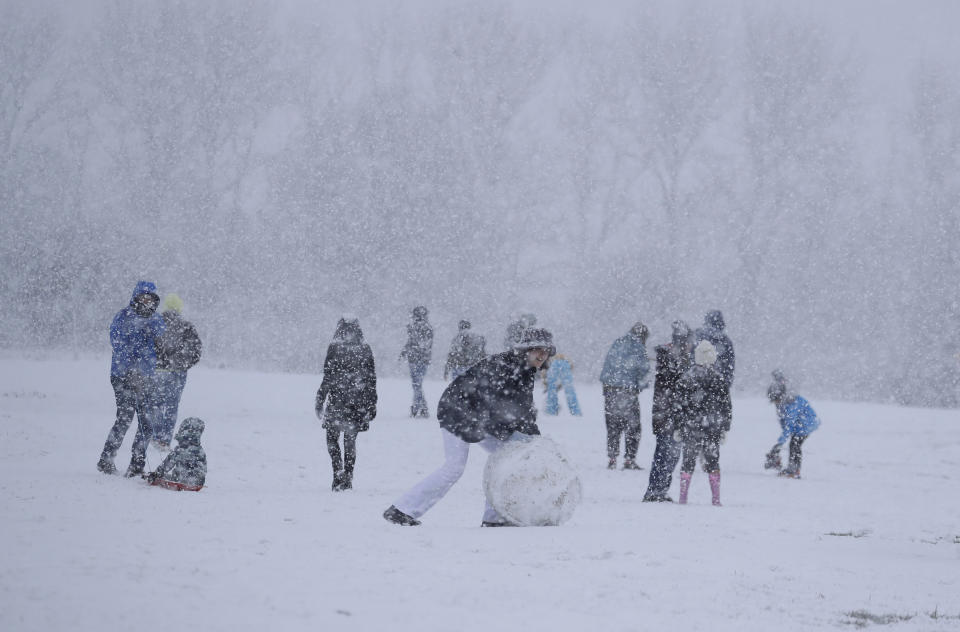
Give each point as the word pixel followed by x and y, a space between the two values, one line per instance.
pixel 279 164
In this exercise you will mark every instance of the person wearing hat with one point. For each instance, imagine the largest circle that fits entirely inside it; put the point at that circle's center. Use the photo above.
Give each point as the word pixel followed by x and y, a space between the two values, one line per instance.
pixel 178 349
pixel 624 375
pixel 490 404
pixel 133 336
pixel 349 390
pixel 671 405
pixel 466 349
pixel 797 421
pixel 417 352
pixel 714 330
pixel 184 469
pixel 706 425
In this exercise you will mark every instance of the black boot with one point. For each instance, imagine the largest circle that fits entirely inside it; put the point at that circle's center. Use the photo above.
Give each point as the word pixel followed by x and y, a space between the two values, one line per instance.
pixel 135 469
pixel 346 481
pixel 106 466
pixel 394 515
pixel 337 482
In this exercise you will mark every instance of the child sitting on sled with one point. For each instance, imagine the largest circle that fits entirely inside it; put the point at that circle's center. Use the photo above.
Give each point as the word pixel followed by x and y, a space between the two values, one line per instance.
pixel 185 468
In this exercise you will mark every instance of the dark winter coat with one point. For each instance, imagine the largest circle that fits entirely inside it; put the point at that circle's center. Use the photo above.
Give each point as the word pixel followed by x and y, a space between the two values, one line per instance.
pixel 134 337
pixel 494 397
pixel 185 468
pixel 713 330
pixel 671 393
pixel 626 364
pixel 349 381
pixel 466 350
pixel 419 347
pixel 708 394
pixel 179 348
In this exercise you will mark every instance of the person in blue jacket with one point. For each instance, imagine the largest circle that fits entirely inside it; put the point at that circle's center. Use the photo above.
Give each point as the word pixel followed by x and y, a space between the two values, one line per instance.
pixel 134 335
pixel 560 375
pixel 624 375
pixel 797 420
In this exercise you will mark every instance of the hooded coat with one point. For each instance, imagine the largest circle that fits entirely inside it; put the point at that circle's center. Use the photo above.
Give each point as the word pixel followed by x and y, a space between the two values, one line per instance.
pixel 494 397
pixel 671 393
pixel 419 347
pixel 626 365
pixel 349 381
pixel 179 348
pixel 185 468
pixel 134 337
pixel 797 418
pixel 713 331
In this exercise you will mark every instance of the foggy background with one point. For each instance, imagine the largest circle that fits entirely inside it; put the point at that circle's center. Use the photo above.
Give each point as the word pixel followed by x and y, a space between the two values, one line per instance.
pixel 278 164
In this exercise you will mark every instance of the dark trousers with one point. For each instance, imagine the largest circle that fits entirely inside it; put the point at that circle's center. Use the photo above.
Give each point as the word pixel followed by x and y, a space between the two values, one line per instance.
pixel 419 407
pixel 349 449
pixel 621 408
pixel 796 454
pixel 169 390
pixel 697 443
pixel 665 457
pixel 133 397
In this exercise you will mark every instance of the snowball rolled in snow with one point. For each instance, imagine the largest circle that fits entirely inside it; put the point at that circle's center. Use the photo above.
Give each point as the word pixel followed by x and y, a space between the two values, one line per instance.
pixel 531 483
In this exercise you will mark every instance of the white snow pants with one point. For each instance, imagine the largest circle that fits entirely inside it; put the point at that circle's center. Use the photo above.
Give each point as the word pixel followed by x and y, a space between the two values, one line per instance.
pixel 435 486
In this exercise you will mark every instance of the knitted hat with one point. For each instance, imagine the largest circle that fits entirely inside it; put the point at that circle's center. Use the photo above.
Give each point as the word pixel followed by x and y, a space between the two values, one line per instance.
pixel 705 354
pixel 536 338
pixel 174 302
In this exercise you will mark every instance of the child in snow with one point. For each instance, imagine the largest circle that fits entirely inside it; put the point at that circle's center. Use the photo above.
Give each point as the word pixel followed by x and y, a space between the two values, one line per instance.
pixel 185 468
pixel 560 375
pixel 797 421
pixel 704 428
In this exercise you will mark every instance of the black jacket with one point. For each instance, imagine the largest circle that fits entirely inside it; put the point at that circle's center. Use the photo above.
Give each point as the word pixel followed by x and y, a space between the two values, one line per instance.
pixel 709 399
pixel 419 345
pixel 179 347
pixel 466 350
pixel 494 397
pixel 350 382
pixel 671 393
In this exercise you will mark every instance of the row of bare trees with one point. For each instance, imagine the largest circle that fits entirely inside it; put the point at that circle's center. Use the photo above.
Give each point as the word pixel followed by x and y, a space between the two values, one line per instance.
pixel 280 163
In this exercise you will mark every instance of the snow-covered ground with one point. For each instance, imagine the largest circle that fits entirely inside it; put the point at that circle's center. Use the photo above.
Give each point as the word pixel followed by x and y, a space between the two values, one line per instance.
pixel 869 536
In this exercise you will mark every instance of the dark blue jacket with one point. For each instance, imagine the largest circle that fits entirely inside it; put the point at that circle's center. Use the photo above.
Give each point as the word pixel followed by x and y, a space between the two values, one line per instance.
pixel 134 337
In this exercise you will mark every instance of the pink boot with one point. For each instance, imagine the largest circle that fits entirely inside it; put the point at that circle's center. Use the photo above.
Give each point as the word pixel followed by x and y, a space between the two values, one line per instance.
pixel 715 487
pixel 684 486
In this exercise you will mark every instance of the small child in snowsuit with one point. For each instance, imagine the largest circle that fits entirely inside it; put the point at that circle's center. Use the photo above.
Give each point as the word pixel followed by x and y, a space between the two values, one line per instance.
pixel 560 375
pixel 797 421
pixel 704 428
pixel 185 468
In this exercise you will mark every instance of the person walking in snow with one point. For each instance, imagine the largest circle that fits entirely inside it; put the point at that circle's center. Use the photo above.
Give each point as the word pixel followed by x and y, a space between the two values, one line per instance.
pixel 714 330
pixel 349 390
pixel 671 407
pixel 133 335
pixel 624 374
pixel 490 404
pixel 417 352
pixel 185 468
pixel 178 349
pixel 707 424
pixel 559 375
pixel 466 349
pixel 797 422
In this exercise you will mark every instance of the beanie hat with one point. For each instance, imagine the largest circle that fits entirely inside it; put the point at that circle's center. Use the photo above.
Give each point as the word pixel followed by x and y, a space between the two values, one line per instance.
pixel 536 338
pixel 174 302
pixel 189 432
pixel 463 325
pixel 705 354
pixel 640 331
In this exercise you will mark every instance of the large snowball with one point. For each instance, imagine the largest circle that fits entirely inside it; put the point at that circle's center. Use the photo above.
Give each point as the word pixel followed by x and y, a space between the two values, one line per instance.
pixel 531 483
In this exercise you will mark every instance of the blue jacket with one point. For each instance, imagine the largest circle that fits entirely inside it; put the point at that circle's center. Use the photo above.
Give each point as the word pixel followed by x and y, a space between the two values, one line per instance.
pixel 134 337
pixel 796 418
pixel 559 373
pixel 626 364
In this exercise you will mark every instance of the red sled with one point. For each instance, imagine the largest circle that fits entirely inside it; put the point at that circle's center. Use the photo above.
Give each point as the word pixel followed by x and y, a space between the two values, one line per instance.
pixel 175 486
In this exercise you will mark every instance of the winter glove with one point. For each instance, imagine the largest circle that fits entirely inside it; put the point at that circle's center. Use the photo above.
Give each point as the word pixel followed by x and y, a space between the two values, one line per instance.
pixel 773 459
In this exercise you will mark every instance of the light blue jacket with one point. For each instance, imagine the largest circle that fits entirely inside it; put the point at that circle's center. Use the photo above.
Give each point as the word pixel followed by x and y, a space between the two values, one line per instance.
pixel 796 418
pixel 626 364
